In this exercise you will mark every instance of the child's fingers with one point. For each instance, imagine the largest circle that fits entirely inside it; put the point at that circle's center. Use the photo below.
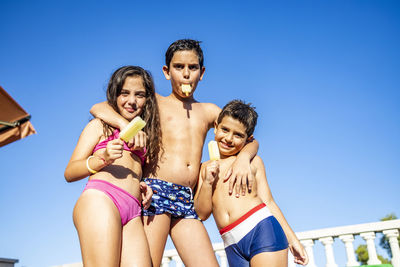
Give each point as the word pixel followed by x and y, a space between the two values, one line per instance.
pixel 227 176
pixel 250 180
pixel 140 140
pixel 238 186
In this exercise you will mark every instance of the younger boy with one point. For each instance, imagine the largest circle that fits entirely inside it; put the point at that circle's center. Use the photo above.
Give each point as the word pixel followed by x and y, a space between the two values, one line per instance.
pixel 252 227
pixel 184 125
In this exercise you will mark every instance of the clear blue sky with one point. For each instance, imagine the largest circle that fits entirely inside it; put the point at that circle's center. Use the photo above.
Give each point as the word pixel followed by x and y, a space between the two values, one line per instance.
pixel 324 76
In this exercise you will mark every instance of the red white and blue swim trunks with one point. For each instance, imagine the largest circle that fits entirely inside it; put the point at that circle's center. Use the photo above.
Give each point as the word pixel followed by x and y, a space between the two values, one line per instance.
pixel 255 232
pixel 170 198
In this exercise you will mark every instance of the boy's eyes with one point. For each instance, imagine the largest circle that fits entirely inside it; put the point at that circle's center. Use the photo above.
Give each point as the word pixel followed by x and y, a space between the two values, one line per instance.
pixel 178 66
pixel 191 67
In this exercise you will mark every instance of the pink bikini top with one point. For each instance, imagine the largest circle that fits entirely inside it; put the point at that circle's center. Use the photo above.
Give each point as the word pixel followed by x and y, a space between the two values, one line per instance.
pixel 115 135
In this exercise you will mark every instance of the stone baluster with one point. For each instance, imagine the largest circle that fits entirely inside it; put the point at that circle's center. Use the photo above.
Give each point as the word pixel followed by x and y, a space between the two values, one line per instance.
pixel 165 262
pixel 177 260
pixel 223 261
pixel 308 245
pixel 348 243
pixel 330 258
pixel 394 246
pixel 369 237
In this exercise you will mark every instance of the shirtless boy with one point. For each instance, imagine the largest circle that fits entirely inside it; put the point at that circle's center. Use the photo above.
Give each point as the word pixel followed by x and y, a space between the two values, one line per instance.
pixel 253 228
pixel 184 126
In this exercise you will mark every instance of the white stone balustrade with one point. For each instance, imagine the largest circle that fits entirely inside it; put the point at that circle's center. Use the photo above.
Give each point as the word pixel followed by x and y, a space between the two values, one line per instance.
pixel 346 234
pixel 327 237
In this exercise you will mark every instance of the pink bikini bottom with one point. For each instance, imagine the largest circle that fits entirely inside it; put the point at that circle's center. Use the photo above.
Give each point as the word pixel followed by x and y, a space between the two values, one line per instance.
pixel 129 206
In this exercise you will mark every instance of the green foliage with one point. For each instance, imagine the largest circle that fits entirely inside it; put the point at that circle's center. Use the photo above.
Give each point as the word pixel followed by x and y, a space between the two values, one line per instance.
pixel 362 251
pixel 383 260
pixel 384 241
pixel 362 254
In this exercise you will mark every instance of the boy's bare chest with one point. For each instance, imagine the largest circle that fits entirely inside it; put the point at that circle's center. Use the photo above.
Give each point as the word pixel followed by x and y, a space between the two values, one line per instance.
pixel 182 119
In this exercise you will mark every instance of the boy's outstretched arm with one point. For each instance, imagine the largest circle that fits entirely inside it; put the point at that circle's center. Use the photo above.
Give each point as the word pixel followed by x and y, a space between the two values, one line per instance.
pixel 240 174
pixel 203 196
pixel 107 114
pixel 264 192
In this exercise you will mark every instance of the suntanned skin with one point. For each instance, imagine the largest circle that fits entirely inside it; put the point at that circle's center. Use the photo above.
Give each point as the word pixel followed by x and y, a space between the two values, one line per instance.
pixel 184 125
pixel 213 196
pixel 103 239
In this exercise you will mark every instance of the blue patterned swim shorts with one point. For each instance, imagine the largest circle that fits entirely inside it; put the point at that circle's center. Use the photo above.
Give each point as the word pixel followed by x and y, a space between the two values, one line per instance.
pixel 171 198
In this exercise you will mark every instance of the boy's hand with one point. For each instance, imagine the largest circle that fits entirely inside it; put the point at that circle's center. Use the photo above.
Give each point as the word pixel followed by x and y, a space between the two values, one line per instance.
pixel 147 194
pixel 113 150
pixel 240 175
pixel 299 253
pixel 212 171
pixel 138 142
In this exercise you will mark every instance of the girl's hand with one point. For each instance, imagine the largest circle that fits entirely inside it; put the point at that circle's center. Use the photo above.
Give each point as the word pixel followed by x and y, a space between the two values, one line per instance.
pixel 212 171
pixel 299 253
pixel 147 194
pixel 138 142
pixel 113 150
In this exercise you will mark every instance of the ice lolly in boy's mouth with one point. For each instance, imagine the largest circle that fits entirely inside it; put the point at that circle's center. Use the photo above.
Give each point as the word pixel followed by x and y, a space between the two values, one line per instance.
pixel 186 89
pixel 132 129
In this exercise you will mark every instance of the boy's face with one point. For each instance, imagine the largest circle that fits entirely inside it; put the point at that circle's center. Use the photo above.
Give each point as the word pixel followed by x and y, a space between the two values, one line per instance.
pixel 230 135
pixel 184 69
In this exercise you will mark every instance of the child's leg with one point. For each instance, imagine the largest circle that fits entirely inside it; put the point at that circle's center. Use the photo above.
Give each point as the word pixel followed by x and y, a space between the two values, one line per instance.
pixel 98 223
pixel 192 243
pixel 270 259
pixel 135 249
pixel 157 228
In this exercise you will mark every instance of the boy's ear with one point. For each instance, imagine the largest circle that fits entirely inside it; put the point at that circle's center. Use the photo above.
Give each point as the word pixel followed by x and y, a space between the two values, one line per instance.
pixel 165 70
pixel 215 127
pixel 203 69
pixel 250 138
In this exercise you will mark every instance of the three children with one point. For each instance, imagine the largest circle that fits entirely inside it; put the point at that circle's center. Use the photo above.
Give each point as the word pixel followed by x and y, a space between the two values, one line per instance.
pixel 172 170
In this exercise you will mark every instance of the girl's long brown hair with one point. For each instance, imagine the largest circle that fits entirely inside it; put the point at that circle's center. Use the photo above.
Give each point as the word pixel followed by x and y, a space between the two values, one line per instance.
pixel 150 111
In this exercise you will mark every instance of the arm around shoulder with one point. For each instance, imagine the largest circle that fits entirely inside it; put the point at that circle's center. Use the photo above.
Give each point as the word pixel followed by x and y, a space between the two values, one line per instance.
pixel 106 113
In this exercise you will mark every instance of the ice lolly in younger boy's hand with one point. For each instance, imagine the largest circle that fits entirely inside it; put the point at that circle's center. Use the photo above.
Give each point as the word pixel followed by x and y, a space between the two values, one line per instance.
pixel 132 129
pixel 213 150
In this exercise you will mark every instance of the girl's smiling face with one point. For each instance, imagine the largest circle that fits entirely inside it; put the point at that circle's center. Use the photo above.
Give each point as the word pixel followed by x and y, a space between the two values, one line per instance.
pixel 231 136
pixel 132 98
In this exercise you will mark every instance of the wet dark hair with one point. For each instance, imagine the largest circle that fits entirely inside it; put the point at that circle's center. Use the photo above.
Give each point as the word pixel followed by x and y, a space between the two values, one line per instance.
pixel 184 45
pixel 150 112
pixel 241 111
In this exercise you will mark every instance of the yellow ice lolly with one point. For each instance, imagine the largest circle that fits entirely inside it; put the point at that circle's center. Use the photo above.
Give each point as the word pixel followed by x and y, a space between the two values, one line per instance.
pixel 132 129
pixel 213 150
pixel 186 89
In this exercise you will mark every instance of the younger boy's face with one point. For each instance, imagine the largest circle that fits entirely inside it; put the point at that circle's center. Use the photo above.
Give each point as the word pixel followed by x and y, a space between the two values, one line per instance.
pixel 230 135
pixel 184 69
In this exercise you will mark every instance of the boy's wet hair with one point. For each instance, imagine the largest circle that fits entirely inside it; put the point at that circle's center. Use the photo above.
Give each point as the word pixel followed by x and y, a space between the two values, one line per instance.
pixel 241 111
pixel 184 45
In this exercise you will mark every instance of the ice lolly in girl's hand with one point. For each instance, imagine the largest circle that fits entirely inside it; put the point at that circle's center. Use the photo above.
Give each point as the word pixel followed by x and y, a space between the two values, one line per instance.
pixel 132 129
